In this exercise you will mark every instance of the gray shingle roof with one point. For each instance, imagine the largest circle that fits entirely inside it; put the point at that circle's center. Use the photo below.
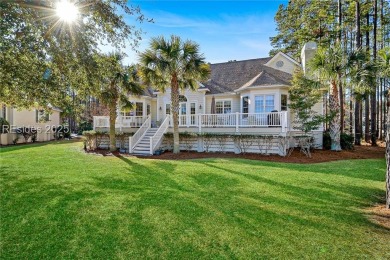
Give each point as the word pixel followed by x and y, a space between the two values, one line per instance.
pixel 231 76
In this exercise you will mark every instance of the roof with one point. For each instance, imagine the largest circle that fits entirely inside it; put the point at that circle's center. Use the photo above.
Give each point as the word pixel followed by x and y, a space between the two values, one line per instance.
pixel 238 75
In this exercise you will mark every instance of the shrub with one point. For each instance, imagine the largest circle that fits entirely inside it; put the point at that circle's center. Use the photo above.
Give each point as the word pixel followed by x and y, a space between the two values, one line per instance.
pixel 326 141
pixel 3 124
pixel 346 141
pixel 26 132
pixel 84 126
pixel 61 132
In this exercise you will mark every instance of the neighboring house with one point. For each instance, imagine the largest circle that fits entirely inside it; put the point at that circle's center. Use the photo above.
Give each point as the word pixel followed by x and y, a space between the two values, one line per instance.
pixel 42 120
pixel 241 97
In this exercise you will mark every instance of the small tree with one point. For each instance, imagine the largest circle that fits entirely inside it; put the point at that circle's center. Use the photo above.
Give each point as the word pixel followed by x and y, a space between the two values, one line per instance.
pixel 304 93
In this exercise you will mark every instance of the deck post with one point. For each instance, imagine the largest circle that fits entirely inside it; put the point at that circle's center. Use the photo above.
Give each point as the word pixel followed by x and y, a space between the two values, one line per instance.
pixel 151 145
pixel 130 145
pixel 284 121
pixel 200 123
pixel 237 121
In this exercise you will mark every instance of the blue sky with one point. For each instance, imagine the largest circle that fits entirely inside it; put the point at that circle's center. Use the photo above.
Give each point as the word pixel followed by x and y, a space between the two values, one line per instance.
pixel 225 30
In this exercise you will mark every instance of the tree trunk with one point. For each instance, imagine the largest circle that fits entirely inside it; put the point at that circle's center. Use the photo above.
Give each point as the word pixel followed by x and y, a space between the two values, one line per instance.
pixel 341 94
pixel 112 108
pixel 334 108
pixel 358 125
pixel 175 113
pixel 388 157
pixel 373 93
pixel 367 136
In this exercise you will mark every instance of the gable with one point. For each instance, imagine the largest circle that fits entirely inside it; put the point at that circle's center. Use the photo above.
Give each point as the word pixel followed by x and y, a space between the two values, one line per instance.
pixel 283 63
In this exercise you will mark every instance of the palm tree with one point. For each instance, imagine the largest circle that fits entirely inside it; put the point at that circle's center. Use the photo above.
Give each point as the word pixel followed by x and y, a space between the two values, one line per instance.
pixel 328 65
pixel 118 83
pixel 176 64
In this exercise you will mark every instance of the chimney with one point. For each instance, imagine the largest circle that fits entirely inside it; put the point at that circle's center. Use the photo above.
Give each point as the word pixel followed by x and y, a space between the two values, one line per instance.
pixel 308 51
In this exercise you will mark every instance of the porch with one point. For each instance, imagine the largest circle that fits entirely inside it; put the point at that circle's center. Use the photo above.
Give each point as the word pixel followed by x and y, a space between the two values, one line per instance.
pixel 277 120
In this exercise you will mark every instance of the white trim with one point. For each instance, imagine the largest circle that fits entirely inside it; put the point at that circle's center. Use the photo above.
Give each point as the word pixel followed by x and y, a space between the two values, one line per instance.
pixel 223 108
pixel 223 94
pixel 285 56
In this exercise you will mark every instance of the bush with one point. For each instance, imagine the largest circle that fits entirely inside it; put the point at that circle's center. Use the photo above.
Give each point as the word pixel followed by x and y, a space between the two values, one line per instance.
pixel 26 132
pixel 84 126
pixel 326 141
pixel 61 132
pixel 346 141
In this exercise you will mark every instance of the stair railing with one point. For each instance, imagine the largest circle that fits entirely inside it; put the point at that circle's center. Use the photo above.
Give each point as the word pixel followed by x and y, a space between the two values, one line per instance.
pixel 156 139
pixel 134 140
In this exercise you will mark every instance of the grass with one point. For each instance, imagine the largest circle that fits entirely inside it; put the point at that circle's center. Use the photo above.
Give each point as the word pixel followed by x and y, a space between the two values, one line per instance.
pixel 57 202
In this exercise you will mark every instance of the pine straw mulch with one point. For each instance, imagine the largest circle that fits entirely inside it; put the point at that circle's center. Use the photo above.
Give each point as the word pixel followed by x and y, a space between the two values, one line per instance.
pixel 318 156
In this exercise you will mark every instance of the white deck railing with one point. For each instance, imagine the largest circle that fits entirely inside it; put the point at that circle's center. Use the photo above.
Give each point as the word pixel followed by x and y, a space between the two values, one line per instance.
pixel 156 139
pixel 236 120
pixel 133 140
pixel 101 121
pixel 121 121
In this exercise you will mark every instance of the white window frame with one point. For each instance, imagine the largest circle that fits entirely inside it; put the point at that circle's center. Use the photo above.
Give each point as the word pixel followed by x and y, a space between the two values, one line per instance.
pixel 265 102
pixel 223 105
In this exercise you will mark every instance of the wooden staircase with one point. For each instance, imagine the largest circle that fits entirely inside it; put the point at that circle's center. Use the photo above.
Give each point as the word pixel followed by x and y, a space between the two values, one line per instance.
pixel 143 146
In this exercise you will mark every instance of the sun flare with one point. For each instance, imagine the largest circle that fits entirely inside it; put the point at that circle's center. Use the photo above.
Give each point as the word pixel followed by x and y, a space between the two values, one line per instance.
pixel 67 11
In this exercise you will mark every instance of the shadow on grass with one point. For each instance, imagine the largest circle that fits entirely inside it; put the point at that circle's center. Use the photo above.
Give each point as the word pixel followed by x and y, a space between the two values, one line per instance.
pixel 22 146
pixel 170 209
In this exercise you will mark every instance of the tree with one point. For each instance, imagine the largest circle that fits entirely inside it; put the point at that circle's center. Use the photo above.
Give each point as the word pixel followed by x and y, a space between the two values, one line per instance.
pixel 117 83
pixel 176 64
pixel 384 71
pixel 328 64
pixel 41 55
pixel 304 93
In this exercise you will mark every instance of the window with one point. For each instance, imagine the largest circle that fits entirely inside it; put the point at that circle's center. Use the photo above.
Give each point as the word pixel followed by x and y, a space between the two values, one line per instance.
pixel 4 111
pixel 245 105
pixel 167 109
pixel 223 107
pixel 126 113
pixel 41 116
pixel 148 109
pixel 139 109
pixel 264 103
pixel 193 109
pixel 283 102
pixel 182 98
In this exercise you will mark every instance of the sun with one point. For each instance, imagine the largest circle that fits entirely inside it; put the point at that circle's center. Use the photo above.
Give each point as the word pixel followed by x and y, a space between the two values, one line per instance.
pixel 67 11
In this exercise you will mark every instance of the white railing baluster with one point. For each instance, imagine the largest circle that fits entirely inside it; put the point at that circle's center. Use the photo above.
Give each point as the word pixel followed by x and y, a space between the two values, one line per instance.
pixel 133 140
pixel 156 139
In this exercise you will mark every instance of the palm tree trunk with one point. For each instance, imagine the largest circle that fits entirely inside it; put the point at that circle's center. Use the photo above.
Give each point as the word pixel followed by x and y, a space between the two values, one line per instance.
pixel 175 113
pixel 334 108
pixel 112 109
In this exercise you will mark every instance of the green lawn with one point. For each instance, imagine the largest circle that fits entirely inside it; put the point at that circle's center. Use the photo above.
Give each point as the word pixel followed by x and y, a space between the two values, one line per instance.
pixel 57 202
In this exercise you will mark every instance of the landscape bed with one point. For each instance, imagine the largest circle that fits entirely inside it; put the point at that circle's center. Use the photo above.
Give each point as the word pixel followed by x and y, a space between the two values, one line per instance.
pixel 59 202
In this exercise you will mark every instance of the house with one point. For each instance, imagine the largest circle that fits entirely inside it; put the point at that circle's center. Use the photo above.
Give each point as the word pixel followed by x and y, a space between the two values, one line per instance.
pixel 241 97
pixel 42 120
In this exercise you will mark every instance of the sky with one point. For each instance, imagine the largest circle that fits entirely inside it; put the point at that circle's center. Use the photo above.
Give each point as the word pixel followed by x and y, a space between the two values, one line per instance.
pixel 225 30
